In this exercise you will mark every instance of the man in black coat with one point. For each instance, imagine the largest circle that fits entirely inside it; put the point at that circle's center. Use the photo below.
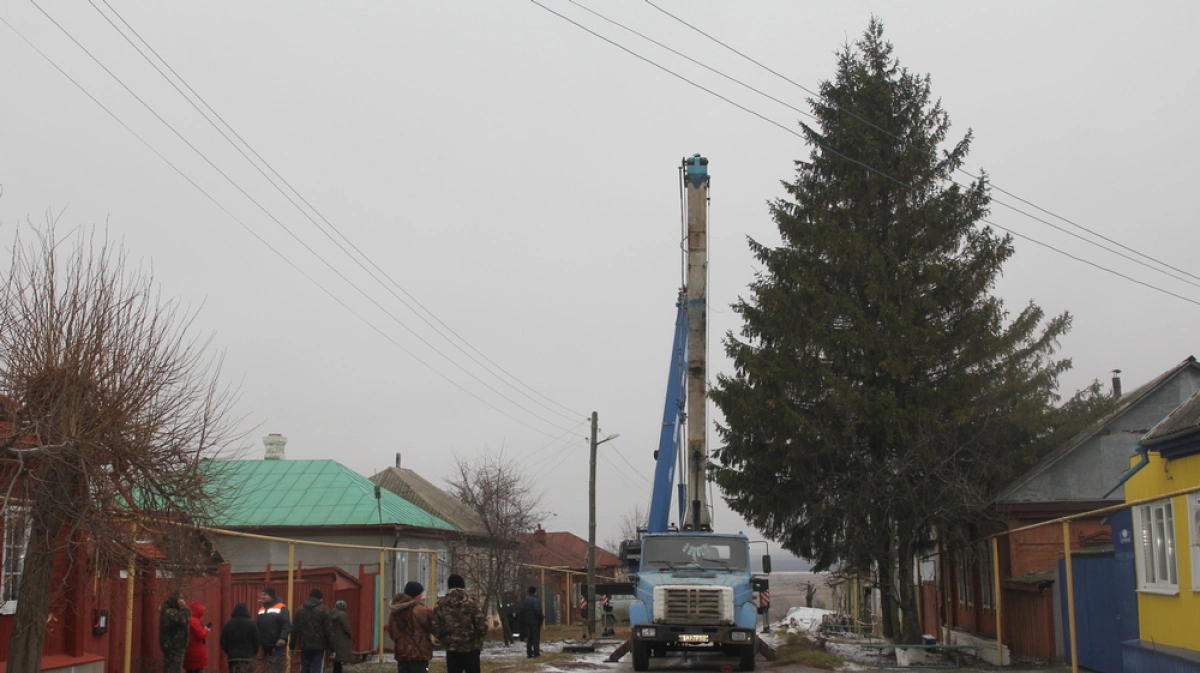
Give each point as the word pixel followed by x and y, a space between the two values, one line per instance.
pixel 531 623
pixel 313 632
pixel 239 640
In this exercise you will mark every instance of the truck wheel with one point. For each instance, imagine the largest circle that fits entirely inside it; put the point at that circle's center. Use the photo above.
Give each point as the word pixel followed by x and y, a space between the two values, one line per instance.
pixel 641 655
pixel 747 662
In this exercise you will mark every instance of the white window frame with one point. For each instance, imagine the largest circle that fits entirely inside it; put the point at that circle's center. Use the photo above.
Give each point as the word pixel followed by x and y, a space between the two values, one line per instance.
pixel 1157 558
pixel 1193 500
pixel 12 555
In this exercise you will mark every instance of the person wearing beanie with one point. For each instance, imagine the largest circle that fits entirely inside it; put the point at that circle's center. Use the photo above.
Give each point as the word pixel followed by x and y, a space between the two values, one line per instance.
pixel 531 623
pixel 409 626
pixel 313 632
pixel 343 641
pixel 460 625
pixel 274 626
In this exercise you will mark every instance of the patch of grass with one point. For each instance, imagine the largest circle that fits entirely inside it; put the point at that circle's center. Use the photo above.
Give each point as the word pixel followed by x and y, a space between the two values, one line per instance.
pixel 798 649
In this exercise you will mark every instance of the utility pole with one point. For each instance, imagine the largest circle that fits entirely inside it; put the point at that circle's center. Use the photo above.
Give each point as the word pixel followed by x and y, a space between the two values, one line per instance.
pixel 589 618
pixel 696 180
pixel 591 558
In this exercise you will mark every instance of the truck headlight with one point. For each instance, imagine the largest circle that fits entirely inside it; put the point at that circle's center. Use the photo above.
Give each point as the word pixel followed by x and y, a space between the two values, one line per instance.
pixel 739 635
pixel 647 632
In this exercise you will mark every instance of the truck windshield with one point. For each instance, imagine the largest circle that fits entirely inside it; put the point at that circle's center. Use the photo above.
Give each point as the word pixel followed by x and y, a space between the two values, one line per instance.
pixel 675 552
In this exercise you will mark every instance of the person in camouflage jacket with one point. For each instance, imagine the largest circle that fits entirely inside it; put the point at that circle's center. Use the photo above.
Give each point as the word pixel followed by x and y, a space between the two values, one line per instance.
pixel 459 624
pixel 173 617
pixel 409 626
pixel 312 632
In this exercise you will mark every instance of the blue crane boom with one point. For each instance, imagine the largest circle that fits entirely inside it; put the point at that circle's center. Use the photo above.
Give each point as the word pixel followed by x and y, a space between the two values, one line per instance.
pixel 672 429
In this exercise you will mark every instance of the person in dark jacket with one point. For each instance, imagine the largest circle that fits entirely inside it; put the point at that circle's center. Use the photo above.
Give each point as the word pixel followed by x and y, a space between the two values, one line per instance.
pixel 343 640
pixel 409 625
pixel 239 640
pixel 274 626
pixel 173 617
pixel 312 632
pixel 459 623
pixel 195 659
pixel 531 623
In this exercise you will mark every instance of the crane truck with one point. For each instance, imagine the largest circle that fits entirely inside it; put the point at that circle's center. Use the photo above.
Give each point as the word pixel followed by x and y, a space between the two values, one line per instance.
pixel 693 588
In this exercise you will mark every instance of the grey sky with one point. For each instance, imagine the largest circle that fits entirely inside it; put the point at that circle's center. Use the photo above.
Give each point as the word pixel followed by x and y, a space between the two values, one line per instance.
pixel 518 177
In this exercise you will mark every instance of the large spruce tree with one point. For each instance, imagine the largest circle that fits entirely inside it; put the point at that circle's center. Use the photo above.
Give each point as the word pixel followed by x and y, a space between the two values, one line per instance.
pixel 880 391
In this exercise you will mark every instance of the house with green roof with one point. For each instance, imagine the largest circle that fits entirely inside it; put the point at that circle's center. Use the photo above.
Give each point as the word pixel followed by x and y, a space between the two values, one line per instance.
pixel 318 501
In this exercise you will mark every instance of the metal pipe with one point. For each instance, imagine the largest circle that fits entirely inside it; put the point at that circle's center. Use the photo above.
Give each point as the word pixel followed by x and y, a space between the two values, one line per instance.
pixel 132 572
pixel 1070 596
pixel 379 599
pixel 291 597
pixel 997 598
pixel 432 591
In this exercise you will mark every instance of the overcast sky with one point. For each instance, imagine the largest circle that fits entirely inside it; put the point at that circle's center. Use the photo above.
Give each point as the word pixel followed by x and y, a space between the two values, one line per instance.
pixel 517 177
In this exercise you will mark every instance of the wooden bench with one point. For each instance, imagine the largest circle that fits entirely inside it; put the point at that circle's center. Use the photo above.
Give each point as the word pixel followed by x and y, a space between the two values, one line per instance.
pixel 884 647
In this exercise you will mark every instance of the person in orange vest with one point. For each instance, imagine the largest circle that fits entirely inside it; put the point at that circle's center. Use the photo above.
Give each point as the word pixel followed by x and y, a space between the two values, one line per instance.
pixel 274 626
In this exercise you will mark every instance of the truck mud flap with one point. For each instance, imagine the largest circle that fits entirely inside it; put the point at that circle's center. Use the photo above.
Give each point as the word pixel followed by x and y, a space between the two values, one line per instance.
pixel 764 649
pixel 623 648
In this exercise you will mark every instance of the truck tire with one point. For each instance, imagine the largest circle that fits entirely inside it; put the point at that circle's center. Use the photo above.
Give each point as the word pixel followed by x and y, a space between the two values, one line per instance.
pixel 641 655
pixel 747 660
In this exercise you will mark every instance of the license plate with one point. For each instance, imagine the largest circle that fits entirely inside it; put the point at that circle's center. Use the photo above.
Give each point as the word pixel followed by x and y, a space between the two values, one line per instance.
pixel 693 637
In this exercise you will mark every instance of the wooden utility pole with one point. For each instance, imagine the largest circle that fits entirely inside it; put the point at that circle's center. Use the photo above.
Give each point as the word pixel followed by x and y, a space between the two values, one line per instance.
pixel 591 556
pixel 695 170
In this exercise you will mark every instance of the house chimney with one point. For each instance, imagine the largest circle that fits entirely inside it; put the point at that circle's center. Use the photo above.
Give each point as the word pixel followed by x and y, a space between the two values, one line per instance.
pixel 397 461
pixel 274 443
pixel 540 534
pixel 1116 383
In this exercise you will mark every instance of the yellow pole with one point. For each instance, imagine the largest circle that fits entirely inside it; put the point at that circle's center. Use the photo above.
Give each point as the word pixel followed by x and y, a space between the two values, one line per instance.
pixel 542 589
pixel 431 588
pixel 382 603
pixel 291 597
pixel 1070 596
pixel 132 572
pixel 996 598
pixel 567 602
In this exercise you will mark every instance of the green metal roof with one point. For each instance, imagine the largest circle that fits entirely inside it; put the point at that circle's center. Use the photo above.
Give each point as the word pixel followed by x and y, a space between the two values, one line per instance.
pixel 307 493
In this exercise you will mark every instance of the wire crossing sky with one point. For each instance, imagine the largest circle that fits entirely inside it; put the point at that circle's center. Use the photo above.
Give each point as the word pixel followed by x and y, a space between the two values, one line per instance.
pixel 436 230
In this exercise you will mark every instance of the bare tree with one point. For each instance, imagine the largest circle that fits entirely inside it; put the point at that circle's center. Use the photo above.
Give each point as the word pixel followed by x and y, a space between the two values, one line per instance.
pixel 496 490
pixel 630 522
pixel 109 405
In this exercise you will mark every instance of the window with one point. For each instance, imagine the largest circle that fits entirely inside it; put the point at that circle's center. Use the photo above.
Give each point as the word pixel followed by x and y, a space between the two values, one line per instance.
pixel 963 571
pixel 1156 534
pixel 1194 528
pixel 16 539
pixel 986 579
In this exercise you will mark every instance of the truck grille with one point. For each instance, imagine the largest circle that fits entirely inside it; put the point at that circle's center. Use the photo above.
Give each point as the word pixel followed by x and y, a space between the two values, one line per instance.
pixel 694 605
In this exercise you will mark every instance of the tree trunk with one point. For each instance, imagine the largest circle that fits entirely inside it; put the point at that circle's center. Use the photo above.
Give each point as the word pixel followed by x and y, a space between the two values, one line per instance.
pixel 34 593
pixel 910 627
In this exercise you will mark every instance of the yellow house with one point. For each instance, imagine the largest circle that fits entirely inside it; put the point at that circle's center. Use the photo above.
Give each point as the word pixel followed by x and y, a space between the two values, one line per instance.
pixel 1167 545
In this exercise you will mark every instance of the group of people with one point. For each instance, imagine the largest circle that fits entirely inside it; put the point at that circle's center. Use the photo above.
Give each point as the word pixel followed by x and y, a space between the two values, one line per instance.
pixel 457 622
pixel 314 631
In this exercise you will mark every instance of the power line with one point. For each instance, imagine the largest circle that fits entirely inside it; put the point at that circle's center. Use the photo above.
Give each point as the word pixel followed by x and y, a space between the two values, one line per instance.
pixel 250 231
pixel 927 152
pixel 305 245
pixel 839 154
pixel 288 197
pixel 356 249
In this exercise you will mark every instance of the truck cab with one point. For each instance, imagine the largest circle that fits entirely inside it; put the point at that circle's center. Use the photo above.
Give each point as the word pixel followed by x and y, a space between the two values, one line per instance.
pixel 693 591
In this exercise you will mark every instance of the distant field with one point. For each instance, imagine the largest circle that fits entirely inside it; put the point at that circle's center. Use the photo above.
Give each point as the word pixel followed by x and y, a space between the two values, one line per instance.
pixel 787 590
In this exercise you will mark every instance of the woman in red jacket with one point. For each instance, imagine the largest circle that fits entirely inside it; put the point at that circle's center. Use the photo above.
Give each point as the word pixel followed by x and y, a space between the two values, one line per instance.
pixel 196 657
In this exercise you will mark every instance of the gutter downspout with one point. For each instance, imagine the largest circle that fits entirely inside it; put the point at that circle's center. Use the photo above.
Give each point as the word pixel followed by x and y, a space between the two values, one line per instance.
pixel 1143 460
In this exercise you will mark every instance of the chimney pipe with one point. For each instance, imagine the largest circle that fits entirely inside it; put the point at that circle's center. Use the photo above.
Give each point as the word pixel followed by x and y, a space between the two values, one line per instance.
pixel 397 461
pixel 274 443
pixel 1116 383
